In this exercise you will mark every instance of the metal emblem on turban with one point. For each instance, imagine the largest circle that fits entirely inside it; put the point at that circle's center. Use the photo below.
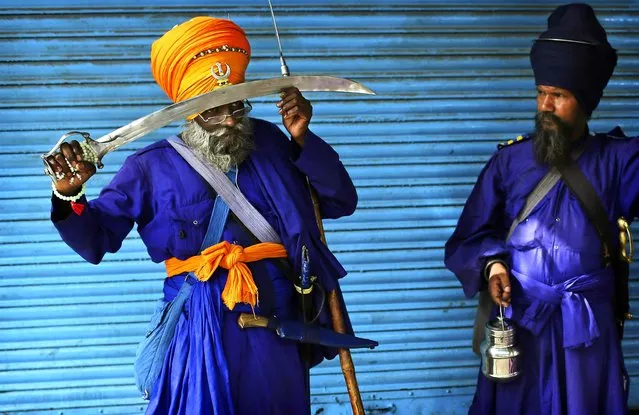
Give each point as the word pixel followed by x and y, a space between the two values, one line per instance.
pixel 222 76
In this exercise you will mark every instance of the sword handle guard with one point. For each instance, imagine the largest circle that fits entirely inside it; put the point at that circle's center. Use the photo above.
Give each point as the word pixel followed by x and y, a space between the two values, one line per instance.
pixel 246 320
pixel 87 138
pixel 625 240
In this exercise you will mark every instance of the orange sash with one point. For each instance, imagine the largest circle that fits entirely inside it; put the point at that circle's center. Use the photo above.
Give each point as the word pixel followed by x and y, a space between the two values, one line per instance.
pixel 240 286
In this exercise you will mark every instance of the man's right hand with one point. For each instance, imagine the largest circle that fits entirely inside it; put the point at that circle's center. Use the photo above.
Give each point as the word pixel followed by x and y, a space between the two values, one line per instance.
pixel 499 284
pixel 69 182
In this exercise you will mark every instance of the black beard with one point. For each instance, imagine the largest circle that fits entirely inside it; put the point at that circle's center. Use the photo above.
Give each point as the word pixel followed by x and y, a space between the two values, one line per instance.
pixel 551 140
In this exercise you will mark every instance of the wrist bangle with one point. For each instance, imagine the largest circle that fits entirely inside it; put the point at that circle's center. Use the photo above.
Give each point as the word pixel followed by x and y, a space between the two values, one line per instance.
pixel 69 198
pixel 490 264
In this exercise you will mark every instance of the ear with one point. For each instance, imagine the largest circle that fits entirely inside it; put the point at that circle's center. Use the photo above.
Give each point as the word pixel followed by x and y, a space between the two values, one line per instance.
pixel 582 117
pixel 198 120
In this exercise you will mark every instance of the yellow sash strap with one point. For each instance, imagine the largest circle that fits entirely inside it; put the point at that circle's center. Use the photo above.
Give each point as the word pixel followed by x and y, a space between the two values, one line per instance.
pixel 240 287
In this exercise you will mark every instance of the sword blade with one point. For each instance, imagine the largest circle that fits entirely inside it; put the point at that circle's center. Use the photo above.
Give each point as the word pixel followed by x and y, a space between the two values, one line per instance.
pixel 222 96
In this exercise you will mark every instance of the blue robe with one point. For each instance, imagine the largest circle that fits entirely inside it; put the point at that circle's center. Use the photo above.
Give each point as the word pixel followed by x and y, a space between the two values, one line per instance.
pixel 561 292
pixel 211 364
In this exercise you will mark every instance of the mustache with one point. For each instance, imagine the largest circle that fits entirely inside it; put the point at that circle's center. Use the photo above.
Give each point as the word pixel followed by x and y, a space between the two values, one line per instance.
pixel 225 130
pixel 551 139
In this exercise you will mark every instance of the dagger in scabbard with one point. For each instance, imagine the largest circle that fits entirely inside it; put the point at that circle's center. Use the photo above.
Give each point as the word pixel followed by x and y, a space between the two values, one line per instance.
pixel 305 333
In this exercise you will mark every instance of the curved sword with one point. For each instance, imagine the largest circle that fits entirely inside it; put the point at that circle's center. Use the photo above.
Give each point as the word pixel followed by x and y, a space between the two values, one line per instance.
pixel 216 98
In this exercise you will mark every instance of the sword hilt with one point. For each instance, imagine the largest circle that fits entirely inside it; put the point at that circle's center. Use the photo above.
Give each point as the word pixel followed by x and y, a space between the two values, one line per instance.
pixel 306 281
pixel 90 143
pixel 246 320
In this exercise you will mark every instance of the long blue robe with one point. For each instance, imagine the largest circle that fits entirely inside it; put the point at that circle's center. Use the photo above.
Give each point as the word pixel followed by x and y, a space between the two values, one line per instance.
pixel 212 366
pixel 561 292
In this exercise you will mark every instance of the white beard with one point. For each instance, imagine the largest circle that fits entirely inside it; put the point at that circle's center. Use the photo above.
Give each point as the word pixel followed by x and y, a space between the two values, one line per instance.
pixel 223 147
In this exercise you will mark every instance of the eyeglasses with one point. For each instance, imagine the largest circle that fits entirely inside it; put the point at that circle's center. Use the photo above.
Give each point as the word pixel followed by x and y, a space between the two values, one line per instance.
pixel 237 109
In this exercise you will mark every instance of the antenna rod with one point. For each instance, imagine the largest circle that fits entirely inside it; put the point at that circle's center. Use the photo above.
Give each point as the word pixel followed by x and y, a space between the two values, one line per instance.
pixel 283 66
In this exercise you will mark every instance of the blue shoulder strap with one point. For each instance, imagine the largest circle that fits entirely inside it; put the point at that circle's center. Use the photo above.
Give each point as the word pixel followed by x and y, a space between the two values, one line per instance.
pixel 218 217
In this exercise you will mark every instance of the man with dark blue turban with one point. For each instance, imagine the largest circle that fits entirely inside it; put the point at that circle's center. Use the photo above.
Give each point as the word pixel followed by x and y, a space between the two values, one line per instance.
pixel 549 269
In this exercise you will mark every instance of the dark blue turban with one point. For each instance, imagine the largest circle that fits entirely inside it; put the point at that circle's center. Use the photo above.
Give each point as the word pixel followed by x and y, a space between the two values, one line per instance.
pixel 574 54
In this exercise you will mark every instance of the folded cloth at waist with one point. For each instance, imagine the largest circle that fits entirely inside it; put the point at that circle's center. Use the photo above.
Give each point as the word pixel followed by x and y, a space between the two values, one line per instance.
pixel 240 286
pixel 536 302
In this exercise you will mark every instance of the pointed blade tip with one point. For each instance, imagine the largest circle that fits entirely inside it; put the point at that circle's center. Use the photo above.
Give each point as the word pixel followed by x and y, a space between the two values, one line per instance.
pixel 361 89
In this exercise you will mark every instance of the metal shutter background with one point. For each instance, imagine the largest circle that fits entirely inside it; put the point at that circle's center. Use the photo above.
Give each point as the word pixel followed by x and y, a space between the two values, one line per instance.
pixel 452 80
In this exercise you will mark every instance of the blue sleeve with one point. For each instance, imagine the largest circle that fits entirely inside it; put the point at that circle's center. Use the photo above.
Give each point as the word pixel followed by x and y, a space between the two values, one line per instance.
pixel 629 179
pixel 480 232
pixel 106 220
pixel 321 164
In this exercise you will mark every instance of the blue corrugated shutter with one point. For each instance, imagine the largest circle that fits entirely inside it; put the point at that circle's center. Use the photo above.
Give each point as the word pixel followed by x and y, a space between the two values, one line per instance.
pixel 452 81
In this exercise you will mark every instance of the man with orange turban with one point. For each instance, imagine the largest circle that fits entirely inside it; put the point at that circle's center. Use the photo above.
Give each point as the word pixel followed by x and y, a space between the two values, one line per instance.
pixel 210 365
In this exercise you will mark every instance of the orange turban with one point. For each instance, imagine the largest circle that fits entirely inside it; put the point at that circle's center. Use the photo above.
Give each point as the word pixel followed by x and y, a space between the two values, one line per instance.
pixel 199 56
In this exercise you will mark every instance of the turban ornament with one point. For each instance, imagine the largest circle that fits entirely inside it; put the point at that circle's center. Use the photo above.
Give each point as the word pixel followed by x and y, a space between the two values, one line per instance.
pixel 199 56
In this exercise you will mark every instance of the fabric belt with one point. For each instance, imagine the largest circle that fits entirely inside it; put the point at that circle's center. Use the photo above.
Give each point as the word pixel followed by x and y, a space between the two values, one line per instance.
pixel 574 297
pixel 240 286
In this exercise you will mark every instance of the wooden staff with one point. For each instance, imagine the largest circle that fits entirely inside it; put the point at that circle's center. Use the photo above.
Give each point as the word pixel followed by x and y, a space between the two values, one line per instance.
pixel 335 308
pixel 334 305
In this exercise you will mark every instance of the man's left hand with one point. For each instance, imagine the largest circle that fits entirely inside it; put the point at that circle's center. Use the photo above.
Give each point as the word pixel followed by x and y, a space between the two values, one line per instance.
pixel 296 113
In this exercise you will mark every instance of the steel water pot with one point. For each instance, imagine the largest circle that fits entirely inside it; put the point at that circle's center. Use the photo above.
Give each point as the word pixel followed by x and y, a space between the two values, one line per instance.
pixel 500 353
